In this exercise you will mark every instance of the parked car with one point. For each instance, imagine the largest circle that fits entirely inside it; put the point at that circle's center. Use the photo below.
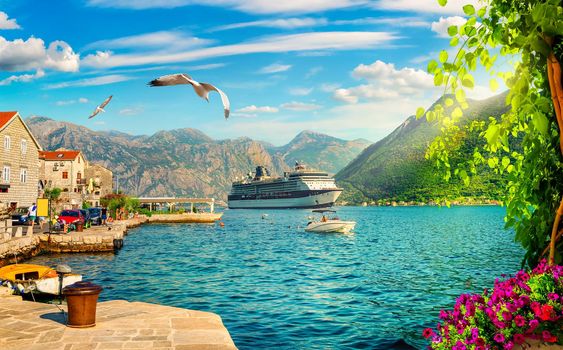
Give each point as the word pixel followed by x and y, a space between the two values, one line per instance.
pixel 87 219
pixel 72 216
pixel 95 215
pixel 20 217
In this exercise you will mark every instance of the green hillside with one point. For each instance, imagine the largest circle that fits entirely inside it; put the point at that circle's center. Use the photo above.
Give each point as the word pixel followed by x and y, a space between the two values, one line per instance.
pixel 394 169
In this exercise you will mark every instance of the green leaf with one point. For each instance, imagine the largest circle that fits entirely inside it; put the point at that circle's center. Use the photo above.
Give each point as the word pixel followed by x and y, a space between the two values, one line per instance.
pixel 493 84
pixel 468 81
pixel 505 162
pixel 442 2
pixel 482 11
pixel 469 10
pixel 460 95
pixel 492 134
pixel 454 41
pixel 419 112
pixel 448 102
pixel 438 79
pixel 540 122
pixel 452 30
pixel 432 65
pixel 443 57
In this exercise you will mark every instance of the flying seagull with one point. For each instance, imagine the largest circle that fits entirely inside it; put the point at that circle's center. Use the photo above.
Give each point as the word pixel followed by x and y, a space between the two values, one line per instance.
pixel 100 108
pixel 201 89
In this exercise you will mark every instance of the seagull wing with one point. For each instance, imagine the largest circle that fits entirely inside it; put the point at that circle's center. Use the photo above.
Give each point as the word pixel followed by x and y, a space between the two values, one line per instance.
pixel 96 111
pixel 106 102
pixel 172 79
pixel 224 98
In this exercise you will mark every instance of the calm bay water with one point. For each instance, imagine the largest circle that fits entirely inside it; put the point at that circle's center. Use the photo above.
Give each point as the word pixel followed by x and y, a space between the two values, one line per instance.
pixel 275 285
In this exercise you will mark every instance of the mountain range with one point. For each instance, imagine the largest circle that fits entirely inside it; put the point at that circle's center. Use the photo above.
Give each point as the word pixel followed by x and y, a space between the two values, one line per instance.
pixel 187 162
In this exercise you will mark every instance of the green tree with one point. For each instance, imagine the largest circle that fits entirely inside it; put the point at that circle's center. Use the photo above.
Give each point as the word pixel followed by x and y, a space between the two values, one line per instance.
pixel 529 34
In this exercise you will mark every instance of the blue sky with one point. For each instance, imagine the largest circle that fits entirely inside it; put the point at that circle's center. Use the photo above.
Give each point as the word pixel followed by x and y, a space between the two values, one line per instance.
pixel 348 68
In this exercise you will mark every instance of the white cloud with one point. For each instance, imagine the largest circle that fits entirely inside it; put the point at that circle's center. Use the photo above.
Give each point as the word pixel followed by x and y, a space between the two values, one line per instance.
pixel 385 82
pixel 282 23
pixel 300 106
pixel 71 102
pixel 275 68
pixel 313 71
pixel 31 54
pixel 23 78
pixel 300 91
pixel 171 40
pixel 393 21
pixel 314 41
pixel 453 7
pixel 131 111
pixel 103 80
pixel 441 27
pixel 329 87
pixel 6 23
pixel 252 109
pixel 345 95
pixel 250 6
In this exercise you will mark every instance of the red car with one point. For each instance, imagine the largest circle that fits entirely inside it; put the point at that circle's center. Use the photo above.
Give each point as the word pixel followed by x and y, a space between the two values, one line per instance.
pixel 71 216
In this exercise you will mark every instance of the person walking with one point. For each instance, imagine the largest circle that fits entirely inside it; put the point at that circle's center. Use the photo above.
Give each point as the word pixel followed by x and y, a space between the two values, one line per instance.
pixel 32 214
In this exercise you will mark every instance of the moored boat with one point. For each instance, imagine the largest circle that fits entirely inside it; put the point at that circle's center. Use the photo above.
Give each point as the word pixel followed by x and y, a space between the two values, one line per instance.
pixel 329 225
pixel 35 279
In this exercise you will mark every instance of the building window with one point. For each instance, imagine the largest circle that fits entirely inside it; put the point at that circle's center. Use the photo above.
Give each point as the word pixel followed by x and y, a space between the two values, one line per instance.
pixel 65 174
pixel 23 175
pixel 24 146
pixel 6 174
pixel 7 142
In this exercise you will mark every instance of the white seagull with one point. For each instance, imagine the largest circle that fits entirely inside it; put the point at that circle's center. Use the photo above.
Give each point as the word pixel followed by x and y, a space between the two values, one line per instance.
pixel 201 89
pixel 100 108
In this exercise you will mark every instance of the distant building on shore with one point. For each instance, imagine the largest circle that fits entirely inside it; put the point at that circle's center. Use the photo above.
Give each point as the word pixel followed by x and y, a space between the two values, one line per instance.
pixel 19 162
pixel 65 169
pixel 99 183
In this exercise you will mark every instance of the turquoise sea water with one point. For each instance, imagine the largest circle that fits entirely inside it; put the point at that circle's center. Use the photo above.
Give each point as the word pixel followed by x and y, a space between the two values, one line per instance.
pixel 276 286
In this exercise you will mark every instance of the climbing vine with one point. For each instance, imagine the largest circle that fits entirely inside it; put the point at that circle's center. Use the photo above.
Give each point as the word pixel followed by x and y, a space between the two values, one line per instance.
pixel 517 42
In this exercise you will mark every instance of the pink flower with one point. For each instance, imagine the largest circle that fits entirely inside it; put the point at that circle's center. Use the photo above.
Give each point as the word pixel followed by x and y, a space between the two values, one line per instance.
pixel 533 325
pixel 499 338
pixel 519 320
pixel 507 316
pixel 508 345
pixel 553 296
pixel 546 312
pixel 427 333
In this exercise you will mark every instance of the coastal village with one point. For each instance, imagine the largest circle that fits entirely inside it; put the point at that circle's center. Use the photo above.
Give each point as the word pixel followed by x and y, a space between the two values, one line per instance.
pixel 28 170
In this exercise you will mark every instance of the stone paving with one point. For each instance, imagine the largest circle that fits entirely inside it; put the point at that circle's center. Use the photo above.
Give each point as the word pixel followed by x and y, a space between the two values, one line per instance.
pixel 119 325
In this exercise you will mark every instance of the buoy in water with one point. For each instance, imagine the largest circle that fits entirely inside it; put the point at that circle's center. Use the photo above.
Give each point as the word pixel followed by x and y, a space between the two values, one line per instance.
pixel 221 224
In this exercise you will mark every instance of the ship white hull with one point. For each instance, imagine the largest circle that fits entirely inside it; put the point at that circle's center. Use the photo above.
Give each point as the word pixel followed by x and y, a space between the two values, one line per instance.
pixel 321 200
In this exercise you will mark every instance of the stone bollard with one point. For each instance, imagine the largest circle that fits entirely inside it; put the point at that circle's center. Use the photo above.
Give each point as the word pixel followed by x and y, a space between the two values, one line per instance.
pixel 18 232
pixel 29 232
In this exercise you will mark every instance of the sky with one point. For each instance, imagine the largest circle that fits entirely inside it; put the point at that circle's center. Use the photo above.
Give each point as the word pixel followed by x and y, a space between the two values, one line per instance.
pixel 347 68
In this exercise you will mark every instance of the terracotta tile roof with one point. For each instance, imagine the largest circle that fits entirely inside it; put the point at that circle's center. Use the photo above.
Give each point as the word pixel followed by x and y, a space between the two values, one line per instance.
pixel 5 117
pixel 58 155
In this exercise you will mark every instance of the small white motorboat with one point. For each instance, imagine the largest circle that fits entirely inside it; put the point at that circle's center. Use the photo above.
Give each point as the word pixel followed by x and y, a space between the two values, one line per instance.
pixel 327 225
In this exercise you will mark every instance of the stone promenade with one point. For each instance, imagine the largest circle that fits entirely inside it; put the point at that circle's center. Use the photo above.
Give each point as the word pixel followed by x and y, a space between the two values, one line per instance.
pixel 119 325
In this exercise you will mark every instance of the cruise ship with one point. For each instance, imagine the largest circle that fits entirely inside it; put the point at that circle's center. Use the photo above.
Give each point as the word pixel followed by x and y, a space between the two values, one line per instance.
pixel 301 188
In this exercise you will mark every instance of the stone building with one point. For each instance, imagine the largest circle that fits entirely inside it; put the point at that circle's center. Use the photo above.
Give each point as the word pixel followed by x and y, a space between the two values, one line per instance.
pixel 19 163
pixel 99 182
pixel 65 169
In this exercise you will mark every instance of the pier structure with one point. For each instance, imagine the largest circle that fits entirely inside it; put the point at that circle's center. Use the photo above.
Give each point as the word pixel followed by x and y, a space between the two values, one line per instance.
pixel 172 202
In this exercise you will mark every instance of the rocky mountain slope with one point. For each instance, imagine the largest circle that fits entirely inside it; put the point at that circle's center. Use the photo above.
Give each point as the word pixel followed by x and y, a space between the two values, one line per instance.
pixel 395 169
pixel 186 162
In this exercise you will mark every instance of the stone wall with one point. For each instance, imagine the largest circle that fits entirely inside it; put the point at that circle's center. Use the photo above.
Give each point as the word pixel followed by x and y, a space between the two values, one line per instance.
pixel 21 194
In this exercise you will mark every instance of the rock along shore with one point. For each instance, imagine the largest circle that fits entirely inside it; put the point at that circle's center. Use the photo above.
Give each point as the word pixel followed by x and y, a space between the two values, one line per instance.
pixel 92 240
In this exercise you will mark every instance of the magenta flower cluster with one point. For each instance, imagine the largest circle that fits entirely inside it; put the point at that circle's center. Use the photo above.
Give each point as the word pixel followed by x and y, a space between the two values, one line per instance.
pixel 526 306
